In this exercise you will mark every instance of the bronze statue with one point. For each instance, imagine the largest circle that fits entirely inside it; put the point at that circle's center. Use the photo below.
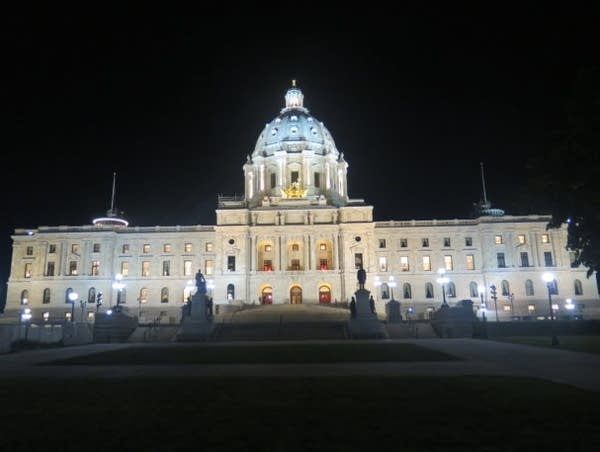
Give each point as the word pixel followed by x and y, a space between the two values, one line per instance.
pixel 362 277
pixel 200 282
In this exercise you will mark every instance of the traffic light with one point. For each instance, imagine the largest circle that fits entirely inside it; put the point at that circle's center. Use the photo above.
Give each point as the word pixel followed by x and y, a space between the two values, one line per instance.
pixel 98 300
pixel 494 292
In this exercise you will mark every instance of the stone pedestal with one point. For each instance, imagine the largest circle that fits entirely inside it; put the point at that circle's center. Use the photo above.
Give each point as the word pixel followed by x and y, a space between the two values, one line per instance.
pixel 365 324
pixel 392 311
pixel 196 323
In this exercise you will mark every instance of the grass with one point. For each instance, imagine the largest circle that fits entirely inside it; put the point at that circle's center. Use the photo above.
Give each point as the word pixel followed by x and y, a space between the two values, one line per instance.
pixel 588 344
pixel 298 414
pixel 264 354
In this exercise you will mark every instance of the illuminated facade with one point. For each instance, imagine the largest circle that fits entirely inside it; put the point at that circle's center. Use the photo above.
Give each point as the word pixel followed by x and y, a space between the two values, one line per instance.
pixel 297 237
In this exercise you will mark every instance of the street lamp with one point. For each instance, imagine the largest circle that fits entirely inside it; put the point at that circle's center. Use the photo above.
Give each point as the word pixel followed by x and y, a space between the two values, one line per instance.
pixel 481 291
pixel 392 283
pixel 443 280
pixel 548 279
pixel 72 297
pixel 118 285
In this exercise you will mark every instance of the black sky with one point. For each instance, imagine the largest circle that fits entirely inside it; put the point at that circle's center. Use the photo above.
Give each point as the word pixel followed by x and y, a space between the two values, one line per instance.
pixel 174 105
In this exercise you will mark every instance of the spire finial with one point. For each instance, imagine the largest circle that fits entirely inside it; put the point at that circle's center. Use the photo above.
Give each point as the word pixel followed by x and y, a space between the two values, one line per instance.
pixel 294 97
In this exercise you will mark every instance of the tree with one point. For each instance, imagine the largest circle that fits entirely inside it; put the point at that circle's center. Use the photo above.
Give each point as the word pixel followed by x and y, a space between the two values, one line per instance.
pixel 568 175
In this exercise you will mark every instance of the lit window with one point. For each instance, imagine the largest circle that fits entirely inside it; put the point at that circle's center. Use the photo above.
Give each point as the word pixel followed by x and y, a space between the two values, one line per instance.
pixel 267 248
pixel 68 316
pixel 145 268
pixel 448 263
pixel 403 243
pixel 164 295
pixel 521 239
pixel 446 241
pixel 382 264
pixel 146 248
pixel 498 240
pixel 95 268
pixel 96 248
pixel 167 248
pixel 267 265
pixel 470 262
pixel 73 268
pixel 25 297
pixel 230 263
pixel 381 243
pixel 323 247
pixel 208 267
pixel 125 249
pixel 531 307
pixel 468 241
pixel 125 268
pixel 545 238
pixel 425 243
pixel 75 248
pixel 404 263
pixel 187 268
pixel 166 270
pixel 209 247
pixel 426 263
pixel 323 264
pixel 187 248
pixel 506 308
pixel 46 316
pixel 91 315
pixel 29 251
pixel 52 249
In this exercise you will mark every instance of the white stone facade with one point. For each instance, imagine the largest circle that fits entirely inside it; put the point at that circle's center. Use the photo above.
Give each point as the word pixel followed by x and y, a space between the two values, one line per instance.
pixel 297 237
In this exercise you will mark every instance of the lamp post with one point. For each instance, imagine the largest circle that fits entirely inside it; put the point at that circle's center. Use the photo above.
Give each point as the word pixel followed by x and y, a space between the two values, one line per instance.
pixel 481 290
pixel 443 280
pixel 118 285
pixel 495 298
pixel 72 297
pixel 392 283
pixel 548 279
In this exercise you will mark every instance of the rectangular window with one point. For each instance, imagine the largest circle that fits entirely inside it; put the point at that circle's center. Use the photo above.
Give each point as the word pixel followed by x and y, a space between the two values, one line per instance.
pixel 273 180
pixel 468 241
pixel 425 243
pixel 208 267
pixel 50 269
pixel 187 248
pixel 96 248
pixel 125 249
pixel 52 249
pixel 125 268
pixel 521 239
pixel 296 264
pixel 448 263
pixel 498 240
pixel 548 259
pixel 383 264
pixel 167 248
pixel 446 241
pixel 27 272
pixel 426 263
pixel 73 268
pixel 524 259
pixel 267 248
pixel 95 268
pixel 166 268
pixel 146 248
pixel 531 307
pixel 404 263
pixel 268 265
pixel 403 243
pixel 323 264
pixel 506 308
pixel 46 296
pixel 230 263
pixel 75 248
pixel 146 268
pixel 67 316
pixel 317 180
pixel 358 260
pixel 500 259
pixel 295 176
pixel 381 243
pixel 545 238
pixel 187 268
pixel 29 251
pixel 296 247
pixel 470 262
pixel 209 247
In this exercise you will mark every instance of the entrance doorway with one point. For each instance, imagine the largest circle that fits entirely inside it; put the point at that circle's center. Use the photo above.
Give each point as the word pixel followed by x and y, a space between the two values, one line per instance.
pixel 296 295
pixel 324 295
pixel 267 295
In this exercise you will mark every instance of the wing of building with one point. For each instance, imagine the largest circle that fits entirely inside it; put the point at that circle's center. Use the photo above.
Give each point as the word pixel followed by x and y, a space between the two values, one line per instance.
pixel 297 237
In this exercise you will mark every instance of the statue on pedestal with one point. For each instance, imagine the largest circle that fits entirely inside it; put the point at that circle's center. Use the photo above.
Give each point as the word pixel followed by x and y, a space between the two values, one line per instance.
pixel 361 275
pixel 200 282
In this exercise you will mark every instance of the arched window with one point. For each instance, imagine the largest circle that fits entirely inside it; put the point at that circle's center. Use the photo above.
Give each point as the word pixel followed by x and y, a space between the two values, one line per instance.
pixel 67 292
pixel 428 290
pixel 164 295
pixel 505 288
pixel 46 296
pixel 529 288
pixel 230 292
pixel 385 291
pixel 578 287
pixel 451 291
pixel 554 287
pixel 324 295
pixel 407 291
pixel 473 289
pixel 91 295
pixel 267 295
pixel 144 295
pixel 25 297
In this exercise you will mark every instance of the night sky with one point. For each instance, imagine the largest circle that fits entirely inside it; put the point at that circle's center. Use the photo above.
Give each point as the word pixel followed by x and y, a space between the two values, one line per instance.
pixel 175 105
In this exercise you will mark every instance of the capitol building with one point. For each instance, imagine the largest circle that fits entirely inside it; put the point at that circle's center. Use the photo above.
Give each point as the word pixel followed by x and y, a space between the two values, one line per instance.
pixel 296 236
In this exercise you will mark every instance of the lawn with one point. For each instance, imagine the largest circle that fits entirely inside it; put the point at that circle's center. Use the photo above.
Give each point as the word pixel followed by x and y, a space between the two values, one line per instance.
pixel 298 414
pixel 263 354
pixel 589 344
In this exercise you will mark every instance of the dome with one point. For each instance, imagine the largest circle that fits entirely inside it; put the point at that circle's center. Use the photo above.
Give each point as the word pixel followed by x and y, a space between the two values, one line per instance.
pixel 294 130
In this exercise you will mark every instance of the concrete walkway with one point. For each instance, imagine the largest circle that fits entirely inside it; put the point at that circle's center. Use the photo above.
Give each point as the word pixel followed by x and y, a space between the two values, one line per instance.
pixel 479 357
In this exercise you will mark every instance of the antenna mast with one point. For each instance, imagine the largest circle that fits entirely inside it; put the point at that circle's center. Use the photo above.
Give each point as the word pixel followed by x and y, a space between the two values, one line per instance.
pixel 485 201
pixel 112 199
